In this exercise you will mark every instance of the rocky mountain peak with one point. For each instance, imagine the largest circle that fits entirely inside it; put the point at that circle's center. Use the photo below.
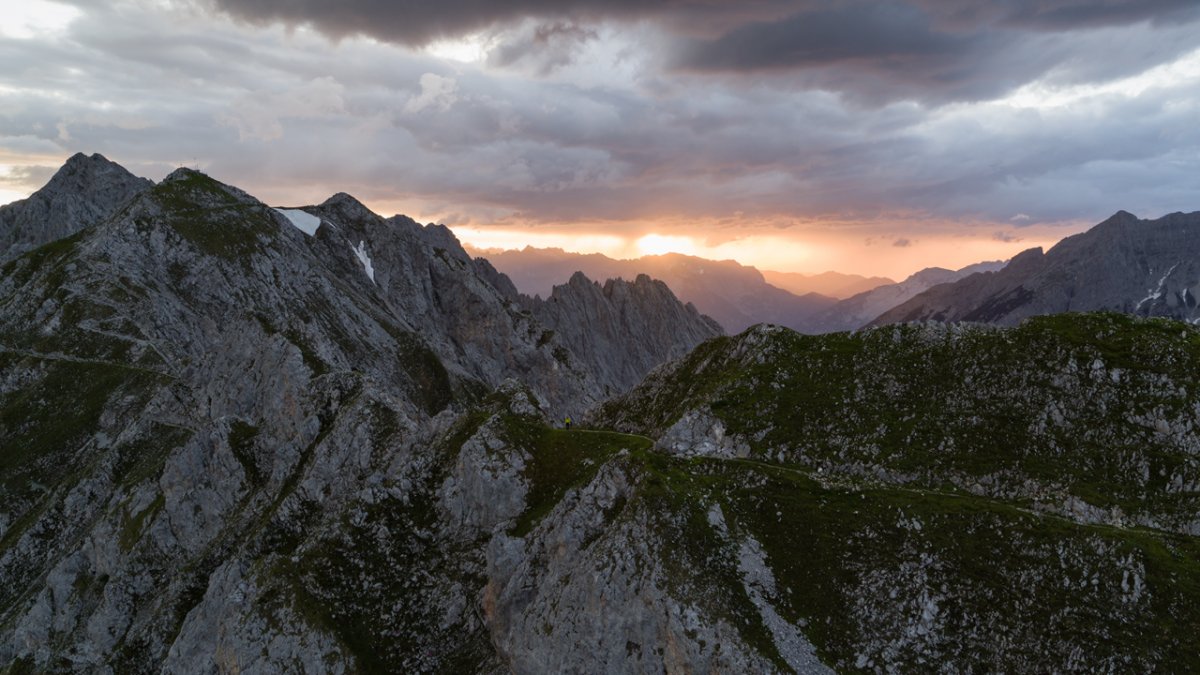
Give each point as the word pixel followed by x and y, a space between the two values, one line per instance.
pixel 437 236
pixel 82 192
pixel 184 173
pixel 1027 260
pixel 348 207
pixel 1120 217
pixel 80 171
pixel 622 329
pixel 579 280
pixel 206 190
pixel 930 275
pixel 1124 264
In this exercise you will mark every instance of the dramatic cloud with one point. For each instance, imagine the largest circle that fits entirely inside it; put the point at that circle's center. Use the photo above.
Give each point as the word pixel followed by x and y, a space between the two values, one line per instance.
pixel 418 23
pixel 260 116
pixel 878 52
pixel 797 130
pixel 437 92
pixel 928 50
pixel 545 47
pixel 415 22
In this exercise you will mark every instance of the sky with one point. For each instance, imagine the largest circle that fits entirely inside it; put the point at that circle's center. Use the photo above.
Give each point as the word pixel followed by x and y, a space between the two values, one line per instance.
pixel 798 135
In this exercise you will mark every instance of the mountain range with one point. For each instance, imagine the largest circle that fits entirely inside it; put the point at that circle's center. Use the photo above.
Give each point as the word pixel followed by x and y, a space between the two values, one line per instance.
pixel 193 385
pixel 1124 264
pixel 859 310
pixel 239 438
pixel 735 295
pixel 831 284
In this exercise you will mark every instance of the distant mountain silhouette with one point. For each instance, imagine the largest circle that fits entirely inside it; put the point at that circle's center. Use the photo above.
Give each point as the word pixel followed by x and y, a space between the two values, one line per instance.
pixel 1124 264
pixel 857 311
pixel 737 296
pixel 833 284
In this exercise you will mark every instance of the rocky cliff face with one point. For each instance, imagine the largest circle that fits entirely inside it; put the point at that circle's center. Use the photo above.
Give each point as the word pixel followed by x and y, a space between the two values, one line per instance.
pixel 622 330
pixel 1142 267
pixel 923 489
pixel 84 191
pixel 245 438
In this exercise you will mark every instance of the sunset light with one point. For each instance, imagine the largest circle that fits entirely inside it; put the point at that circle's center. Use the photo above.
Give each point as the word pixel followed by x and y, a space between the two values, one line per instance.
pixel 518 128
pixel 658 244
pixel 525 336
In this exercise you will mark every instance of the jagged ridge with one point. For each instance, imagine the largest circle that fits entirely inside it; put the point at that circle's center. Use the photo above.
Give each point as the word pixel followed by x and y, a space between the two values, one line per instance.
pixel 82 192
pixel 1142 267
pixel 200 393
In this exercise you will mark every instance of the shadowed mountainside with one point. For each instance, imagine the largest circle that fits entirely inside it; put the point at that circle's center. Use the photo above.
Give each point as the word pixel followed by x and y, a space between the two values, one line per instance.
pixel 1143 267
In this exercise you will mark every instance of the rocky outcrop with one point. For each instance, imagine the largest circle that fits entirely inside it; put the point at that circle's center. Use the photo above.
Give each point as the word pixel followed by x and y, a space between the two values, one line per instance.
pixel 929 470
pixel 83 192
pixel 621 330
pixel 247 438
pixel 1142 267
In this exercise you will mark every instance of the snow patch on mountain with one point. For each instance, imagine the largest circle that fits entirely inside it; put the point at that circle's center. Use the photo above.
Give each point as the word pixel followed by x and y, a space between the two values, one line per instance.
pixel 361 254
pixel 302 220
pixel 1159 291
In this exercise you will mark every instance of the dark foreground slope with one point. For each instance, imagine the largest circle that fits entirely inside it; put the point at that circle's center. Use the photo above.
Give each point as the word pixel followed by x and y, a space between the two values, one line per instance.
pixel 231 446
pixel 982 499
pixel 1142 267
pixel 195 394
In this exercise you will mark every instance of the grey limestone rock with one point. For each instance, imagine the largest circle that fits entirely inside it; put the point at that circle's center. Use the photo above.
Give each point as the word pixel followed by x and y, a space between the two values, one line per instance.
pixel 233 445
pixel 1124 264
pixel 621 330
pixel 83 192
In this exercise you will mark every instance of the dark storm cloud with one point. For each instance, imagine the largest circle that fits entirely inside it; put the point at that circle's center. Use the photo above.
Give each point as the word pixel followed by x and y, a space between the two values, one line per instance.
pixel 417 22
pixel 574 130
pixel 939 52
pixel 933 51
pixel 823 37
pixel 546 47
pixel 1061 14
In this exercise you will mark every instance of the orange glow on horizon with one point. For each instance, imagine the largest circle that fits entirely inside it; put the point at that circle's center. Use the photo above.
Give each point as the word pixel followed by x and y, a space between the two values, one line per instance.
pixel 865 248
pixel 659 244
pixel 806 252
